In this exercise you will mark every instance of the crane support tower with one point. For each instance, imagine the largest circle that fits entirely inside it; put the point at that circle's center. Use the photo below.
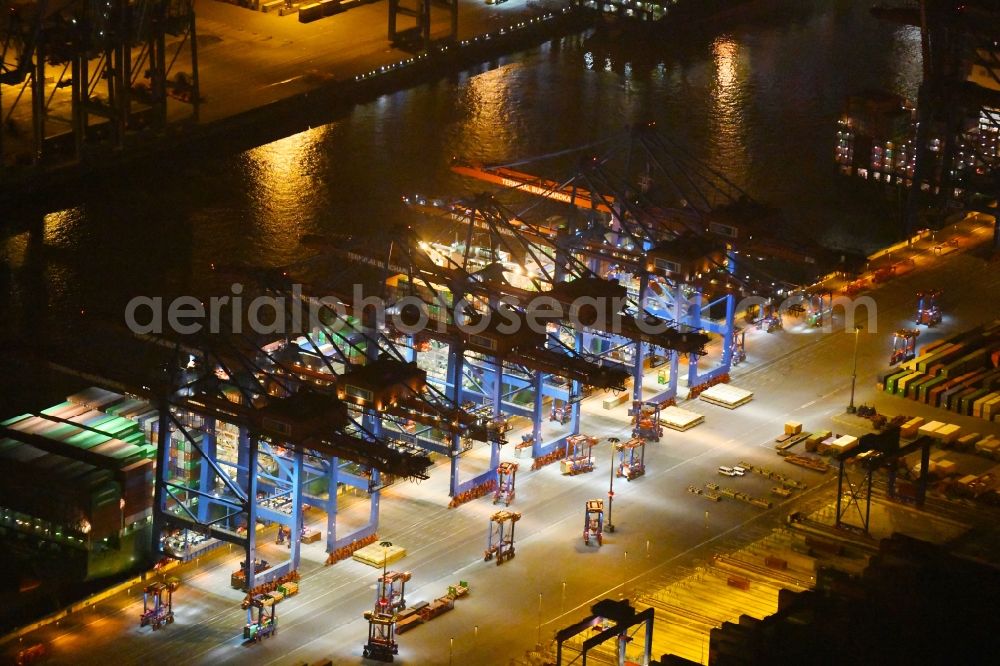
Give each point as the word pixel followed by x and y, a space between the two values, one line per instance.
pixel 928 311
pixel 122 66
pixel 158 605
pixel 506 475
pixel 390 598
pixel 579 455
pixel 647 421
pixel 593 522
pixel 500 541
pixel 904 345
pixel 738 348
pixel 631 458
pixel 859 463
pixel 261 619
pixel 417 37
pixel 611 620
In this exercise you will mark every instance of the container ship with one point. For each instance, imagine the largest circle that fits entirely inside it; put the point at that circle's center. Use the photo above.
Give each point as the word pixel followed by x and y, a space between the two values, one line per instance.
pixel 664 12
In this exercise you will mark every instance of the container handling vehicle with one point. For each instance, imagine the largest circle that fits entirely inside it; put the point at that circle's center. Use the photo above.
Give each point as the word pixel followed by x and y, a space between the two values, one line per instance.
pixel 506 474
pixel 593 522
pixel 158 604
pixel 261 619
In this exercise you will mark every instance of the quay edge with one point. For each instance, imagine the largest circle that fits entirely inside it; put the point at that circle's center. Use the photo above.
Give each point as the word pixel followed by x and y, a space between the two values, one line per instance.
pixel 184 142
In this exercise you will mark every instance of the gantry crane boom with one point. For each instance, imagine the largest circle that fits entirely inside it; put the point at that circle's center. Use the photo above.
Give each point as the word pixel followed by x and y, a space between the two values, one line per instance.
pixel 525 182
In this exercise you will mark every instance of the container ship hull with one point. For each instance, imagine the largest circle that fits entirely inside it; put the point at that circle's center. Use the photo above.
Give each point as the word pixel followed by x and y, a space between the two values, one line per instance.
pixel 666 13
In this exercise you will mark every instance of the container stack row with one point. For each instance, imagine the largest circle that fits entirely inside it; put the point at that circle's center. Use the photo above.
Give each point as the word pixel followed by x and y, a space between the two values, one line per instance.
pixel 961 374
pixel 82 468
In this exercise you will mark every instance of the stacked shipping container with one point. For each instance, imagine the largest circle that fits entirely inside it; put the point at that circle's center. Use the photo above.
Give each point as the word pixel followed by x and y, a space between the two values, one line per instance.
pixel 80 474
pixel 961 374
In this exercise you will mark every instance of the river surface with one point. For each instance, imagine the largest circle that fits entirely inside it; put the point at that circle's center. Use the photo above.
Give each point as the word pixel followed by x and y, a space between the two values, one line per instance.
pixel 756 98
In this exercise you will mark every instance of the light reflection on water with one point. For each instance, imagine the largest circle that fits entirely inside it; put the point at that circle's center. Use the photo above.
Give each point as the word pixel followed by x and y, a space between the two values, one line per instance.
pixel 491 117
pixel 278 175
pixel 729 100
pixel 907 60
pixel 16 250
pixel 59 227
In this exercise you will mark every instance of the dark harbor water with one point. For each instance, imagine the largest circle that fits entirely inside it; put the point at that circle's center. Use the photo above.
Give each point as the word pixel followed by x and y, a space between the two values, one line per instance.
pixel 756 99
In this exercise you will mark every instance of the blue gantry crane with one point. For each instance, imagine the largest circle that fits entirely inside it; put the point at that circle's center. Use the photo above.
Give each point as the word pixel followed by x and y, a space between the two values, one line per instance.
pixel 238 437
pixel 682 238
pixel 481 348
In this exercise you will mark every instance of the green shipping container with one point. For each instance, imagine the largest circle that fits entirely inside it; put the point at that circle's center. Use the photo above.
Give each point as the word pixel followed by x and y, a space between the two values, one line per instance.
pixel 921 392
pixel 965 407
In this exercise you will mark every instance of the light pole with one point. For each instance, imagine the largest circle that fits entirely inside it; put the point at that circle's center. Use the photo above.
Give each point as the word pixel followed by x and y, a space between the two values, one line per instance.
pixel 854 372
pixel 386 545
pixel 539 619
pixel 609 526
